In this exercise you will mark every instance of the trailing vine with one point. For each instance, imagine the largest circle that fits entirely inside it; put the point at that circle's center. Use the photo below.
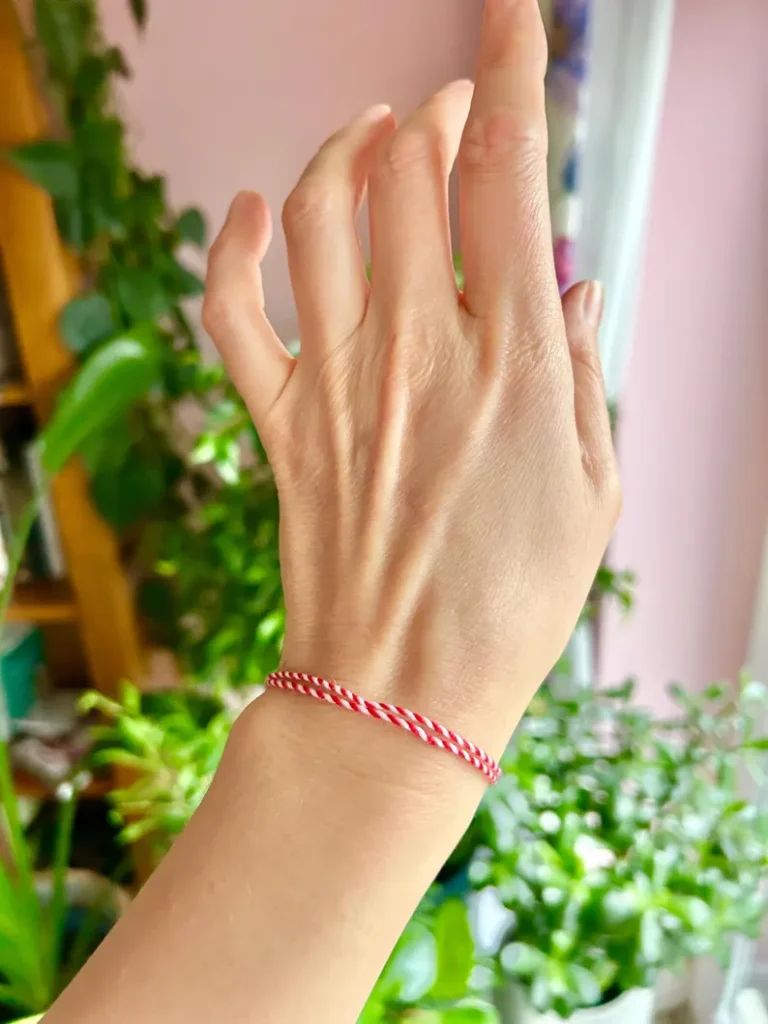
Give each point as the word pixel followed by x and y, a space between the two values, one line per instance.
pixel 195 507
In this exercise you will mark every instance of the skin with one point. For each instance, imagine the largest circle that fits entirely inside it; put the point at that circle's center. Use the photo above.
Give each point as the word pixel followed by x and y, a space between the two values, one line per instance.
pixel 447 488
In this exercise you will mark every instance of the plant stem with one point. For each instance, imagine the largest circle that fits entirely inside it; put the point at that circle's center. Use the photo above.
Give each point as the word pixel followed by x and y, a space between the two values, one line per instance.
pixel 62 848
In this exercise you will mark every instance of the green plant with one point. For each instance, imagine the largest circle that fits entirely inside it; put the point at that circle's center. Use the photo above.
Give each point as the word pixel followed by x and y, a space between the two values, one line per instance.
pixel 196 503
pixel 428 978
pixel 38 956
pixel 621 844
pixel 171 743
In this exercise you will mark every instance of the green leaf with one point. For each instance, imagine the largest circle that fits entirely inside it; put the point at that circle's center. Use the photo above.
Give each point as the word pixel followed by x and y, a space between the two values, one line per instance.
pixel 49 164
pixel 191 226
pixel 651 937
pixel 271 625
pixel 139 11
pixel 115 61
pixel 111 380
pixel 141 294
pixel 184 282
pixel 455 951
pixel 715 692
pixel 411 970
pixel 86 320
pixel 521 960
pixel 60 27
pixel 469 1015
pixel 754 690
pixel 761 744
pixel 679 695
pixel 127 491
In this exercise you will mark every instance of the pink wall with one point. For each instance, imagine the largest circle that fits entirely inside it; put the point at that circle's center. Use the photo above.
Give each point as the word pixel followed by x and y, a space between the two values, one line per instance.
pixel 239 93
pixel 694 440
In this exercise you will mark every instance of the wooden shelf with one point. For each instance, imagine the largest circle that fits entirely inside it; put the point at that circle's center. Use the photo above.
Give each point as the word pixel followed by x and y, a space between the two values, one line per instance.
pixel 30 786
pixel 44 601
pixel 15 393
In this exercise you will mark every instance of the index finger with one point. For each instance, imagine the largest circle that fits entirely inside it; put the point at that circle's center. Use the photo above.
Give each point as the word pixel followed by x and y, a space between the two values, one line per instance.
pixel 506 235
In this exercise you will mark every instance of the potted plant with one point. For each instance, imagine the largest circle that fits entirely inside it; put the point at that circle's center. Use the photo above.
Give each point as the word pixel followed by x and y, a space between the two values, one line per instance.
pixel 620 846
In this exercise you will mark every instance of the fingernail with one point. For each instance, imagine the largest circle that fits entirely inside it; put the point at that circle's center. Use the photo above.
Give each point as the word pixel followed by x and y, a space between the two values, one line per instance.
pixel 593 303
pixel 377 112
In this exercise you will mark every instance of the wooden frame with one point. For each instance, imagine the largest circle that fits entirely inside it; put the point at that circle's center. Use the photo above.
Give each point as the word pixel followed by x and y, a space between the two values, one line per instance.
pixel 41 277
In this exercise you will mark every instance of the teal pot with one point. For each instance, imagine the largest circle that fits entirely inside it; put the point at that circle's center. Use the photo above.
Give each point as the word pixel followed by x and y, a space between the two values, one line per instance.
pixel 633 1007
pixel 21 659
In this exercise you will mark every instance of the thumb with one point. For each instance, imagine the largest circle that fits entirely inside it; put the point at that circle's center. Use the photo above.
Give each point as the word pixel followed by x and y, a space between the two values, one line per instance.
pixel 233 308
pixel 582 312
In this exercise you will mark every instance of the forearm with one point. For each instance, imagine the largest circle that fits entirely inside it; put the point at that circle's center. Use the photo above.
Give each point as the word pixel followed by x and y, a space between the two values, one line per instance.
pixel 320 834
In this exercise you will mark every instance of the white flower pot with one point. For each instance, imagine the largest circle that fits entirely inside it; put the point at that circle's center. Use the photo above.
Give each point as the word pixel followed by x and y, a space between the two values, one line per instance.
pixel 633 1007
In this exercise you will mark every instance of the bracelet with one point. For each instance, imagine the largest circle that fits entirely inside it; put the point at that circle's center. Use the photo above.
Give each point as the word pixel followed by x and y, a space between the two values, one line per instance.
pixel 423 728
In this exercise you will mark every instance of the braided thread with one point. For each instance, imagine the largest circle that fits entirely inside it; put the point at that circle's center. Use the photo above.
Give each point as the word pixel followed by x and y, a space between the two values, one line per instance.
pixel 423 728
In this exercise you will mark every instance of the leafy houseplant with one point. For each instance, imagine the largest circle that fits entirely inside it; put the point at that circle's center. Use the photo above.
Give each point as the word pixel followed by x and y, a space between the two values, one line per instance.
pixel 622 845
pixel 428 978
pixel 172 743
pixel 40 947
pixel 185 489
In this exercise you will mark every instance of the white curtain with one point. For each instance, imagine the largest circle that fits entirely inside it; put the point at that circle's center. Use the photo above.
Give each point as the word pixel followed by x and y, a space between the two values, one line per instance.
pixel 630 55
pixel 631 42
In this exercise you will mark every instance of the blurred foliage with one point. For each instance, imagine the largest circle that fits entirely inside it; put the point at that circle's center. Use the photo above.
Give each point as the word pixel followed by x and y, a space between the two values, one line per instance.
pixel 42 942
pixel 171 742
pixel 428 978
pixel 623 844
pixel 180 473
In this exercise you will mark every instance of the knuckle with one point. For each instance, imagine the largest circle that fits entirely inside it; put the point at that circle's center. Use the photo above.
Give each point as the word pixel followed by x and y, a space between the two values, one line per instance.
pixel 610 490
pixel 216 313
pixel 501 139
pixel 586 357
pixel 409 150
pixel 312 202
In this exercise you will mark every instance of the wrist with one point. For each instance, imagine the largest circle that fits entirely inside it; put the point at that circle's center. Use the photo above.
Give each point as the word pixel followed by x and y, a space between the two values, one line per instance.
pixel 466 690
pixel 328 750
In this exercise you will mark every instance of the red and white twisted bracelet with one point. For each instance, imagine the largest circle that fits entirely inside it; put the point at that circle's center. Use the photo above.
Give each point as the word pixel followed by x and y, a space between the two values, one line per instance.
pixel 425 729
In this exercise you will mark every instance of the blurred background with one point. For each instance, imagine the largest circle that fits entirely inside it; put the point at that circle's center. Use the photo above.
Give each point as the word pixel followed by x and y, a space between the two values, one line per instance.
pixel 138 521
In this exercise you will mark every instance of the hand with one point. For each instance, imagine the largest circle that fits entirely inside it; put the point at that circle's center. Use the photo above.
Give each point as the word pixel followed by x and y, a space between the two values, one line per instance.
pixel 444 461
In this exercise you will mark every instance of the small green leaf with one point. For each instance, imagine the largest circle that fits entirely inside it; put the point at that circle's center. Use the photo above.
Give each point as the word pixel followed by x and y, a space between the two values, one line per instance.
pixel 125 492
pixel 411 970
pixel 715 692
pixel 141 294
pixel 651 937
pixel 60 28
pixel 115 61
pixel 86 320
pixel 761 744
pixel 191 226
pixel 754 690
pixel 455 951
pixel 49 164
pixel 139 11
pixel 679 695
pixel 521 960
pixel 271 625
pixel 469 1015
pixel 184 282
pixel 116 376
